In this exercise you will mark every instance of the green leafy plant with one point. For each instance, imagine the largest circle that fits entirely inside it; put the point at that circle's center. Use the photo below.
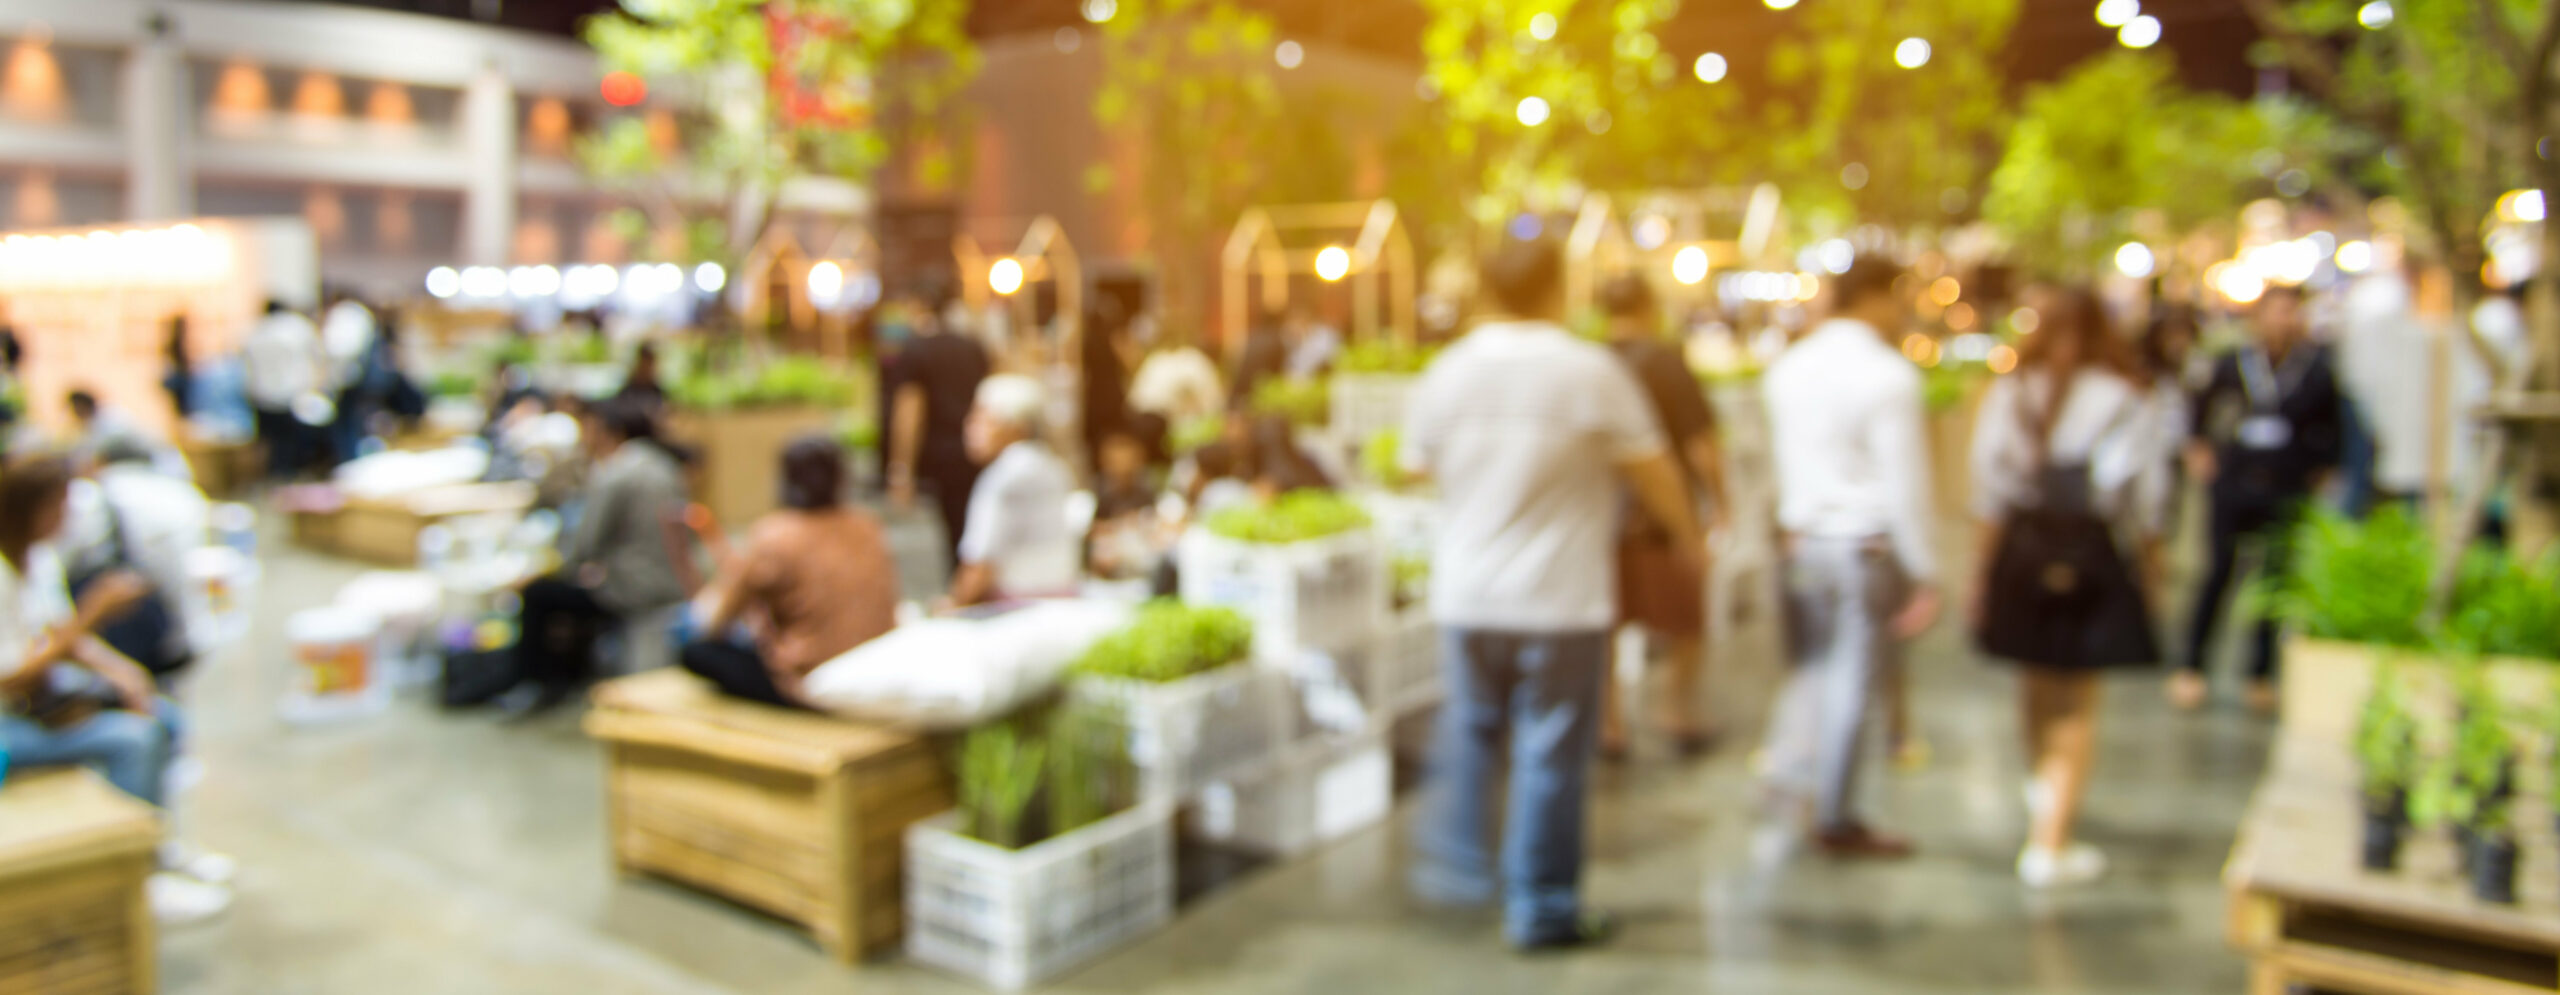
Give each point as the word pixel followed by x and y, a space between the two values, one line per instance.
pixel 859 436
pixel 1411 576
pixel 2483 759
pixel 2362 582
pixel 1000 769
pixel 453 383
pixel 1301 401
pixel 512 350
pixel 2387 741
pixel 1382 457
pixel 1294 517
pixel 1193 434
pixel 1944 387
pixel 2505 606
pixel 1384 356
pixel 1168 641
pixel 1089 770
pixel 786 382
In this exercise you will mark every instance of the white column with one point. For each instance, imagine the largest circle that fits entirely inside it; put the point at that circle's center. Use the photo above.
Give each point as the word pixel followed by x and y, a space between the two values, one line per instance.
pixel 489 169
pixel 159 177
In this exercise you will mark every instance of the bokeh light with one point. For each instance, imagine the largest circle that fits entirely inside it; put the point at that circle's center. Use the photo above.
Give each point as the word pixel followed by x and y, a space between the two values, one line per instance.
pixel 2377 15
pixel 2114 13
pixel 1333 263
pixel 1005 276
pixel 2141 32
pixel 1912 53
pixel 1689 265
pixel 2134 259
pixel 1533 111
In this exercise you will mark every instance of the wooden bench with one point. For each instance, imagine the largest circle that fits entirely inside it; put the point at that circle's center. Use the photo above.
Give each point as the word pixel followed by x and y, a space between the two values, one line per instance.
pixel 74 853
pixel 795 813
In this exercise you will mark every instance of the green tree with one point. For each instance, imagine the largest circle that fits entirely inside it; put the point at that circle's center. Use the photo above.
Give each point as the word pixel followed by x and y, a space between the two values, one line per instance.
pixel 771 91
pixel 2116 143
pixel 1875 142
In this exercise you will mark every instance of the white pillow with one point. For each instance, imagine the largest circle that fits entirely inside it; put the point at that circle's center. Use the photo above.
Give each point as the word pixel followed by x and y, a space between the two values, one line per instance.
pixel 949 673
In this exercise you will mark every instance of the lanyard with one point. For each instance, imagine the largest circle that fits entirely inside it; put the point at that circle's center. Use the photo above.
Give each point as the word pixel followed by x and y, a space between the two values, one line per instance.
pixel 2266 385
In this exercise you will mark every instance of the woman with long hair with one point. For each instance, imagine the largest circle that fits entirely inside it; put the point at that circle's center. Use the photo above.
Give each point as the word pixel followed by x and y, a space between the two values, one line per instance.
pixel 2062 456
pixel 69 699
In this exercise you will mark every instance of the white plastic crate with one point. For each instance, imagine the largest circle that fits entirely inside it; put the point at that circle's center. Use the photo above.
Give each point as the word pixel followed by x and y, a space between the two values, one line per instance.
pixel 1365 404
pixel 1325 790
pixel 1409 662
pixel 1184 734
pixel 1333 693
pixel 1015 918
pixel 1321 594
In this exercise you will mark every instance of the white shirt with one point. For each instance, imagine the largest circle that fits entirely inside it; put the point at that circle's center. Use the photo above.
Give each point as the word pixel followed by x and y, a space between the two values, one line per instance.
pixel 347 332
pixel 1018 523
pixel 281 360
pixel 162 520
pixel 1178 383
pixel 1845 436
pixel 2105 424
pixel 31 603
pixel 1524 427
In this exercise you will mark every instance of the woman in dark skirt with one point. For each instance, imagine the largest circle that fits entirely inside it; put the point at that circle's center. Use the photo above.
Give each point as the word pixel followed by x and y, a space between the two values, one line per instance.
pixel 2062 455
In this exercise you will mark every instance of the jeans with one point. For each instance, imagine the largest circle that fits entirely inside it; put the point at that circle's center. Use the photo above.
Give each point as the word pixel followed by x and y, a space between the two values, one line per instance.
pixel 1543 691
pixel 131 749
pixel 1841 595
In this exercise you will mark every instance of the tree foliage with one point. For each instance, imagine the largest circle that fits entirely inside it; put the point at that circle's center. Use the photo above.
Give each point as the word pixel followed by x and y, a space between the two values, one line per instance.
pixel 1190 90
pixel 1914 134
pixel 771 90
pixel 2116 142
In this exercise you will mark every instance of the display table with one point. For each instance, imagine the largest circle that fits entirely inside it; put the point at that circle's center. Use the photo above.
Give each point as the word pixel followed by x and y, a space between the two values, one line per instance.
pixel 2305 912
pixel 74 853
pixel 384 530
pixel 795 813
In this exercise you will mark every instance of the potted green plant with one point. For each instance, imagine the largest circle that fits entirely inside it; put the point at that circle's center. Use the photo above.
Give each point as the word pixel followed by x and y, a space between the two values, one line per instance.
pixel 2483 773
pixel 2387 751
pixel 2494 850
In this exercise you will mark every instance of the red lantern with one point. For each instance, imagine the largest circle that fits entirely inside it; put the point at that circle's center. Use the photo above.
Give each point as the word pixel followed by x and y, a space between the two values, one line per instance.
pixel 622 89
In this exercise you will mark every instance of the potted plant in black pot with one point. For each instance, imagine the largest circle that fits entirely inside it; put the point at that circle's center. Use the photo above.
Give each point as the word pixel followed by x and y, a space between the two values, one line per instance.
pixel 2483 789
pixel 2494 852
pixel 2387 749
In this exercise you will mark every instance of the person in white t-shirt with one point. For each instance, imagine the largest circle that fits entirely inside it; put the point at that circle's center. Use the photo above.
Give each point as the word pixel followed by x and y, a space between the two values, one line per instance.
pixel 1528 432
pixel 1015 543
pixel 281 364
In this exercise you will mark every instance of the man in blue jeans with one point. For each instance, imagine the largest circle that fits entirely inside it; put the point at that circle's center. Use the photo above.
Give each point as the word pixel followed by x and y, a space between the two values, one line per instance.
pixel 1528 431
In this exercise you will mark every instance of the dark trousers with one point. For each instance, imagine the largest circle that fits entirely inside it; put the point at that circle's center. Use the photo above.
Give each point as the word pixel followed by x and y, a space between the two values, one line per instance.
pixel 951 485
pixel 736 668
pixel 2265 524
pixel 556 637
pixel 283 437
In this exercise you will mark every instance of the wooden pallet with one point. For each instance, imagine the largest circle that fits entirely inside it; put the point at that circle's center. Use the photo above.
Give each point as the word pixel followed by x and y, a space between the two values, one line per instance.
pixel 2306 913
pixel 798 814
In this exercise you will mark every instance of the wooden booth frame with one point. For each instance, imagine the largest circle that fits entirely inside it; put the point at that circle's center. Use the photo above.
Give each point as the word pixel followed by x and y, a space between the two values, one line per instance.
pixel 1382 245
pixel 1045 254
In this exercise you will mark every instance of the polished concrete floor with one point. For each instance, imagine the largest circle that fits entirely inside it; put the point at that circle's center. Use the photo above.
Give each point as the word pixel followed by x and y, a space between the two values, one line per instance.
pixel 421 852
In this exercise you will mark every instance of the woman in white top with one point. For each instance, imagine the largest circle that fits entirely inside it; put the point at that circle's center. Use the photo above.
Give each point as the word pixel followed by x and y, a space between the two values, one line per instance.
pixel 47 716
pixel 2064 459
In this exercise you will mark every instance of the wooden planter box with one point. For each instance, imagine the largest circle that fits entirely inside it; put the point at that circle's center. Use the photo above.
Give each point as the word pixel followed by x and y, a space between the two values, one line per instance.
pixel 795 813
pixel 385 530
pixel 739 472
pixel 2326 683
pixel 224 468
pixel 74 853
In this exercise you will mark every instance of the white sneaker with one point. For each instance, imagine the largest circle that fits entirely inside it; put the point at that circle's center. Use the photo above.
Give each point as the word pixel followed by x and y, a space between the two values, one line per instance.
pixel 2078 863
pixel 203 865
pixel 178 900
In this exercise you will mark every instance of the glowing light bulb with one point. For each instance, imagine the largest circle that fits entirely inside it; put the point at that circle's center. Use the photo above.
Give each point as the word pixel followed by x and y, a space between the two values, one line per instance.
pixel 1689 265
pixel 1005 276
pixel 1333 263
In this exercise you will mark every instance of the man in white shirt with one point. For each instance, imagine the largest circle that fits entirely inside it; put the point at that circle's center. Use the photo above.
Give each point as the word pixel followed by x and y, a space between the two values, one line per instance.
pixel 1853 498
pixel 347 333
pixel 281 364
pixel 1016 543
pixel 1528 432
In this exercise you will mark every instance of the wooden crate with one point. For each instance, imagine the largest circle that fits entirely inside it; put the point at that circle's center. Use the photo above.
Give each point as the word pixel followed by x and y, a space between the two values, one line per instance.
pixel 74 853
pixel 799 814
pixel 385 530
pixel 223 468
pixel 739 474
pixel 2305 912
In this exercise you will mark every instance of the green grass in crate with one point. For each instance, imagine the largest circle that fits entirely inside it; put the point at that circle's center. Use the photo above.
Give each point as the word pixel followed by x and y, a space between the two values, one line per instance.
pixel 1294 517
pixel 1168 641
